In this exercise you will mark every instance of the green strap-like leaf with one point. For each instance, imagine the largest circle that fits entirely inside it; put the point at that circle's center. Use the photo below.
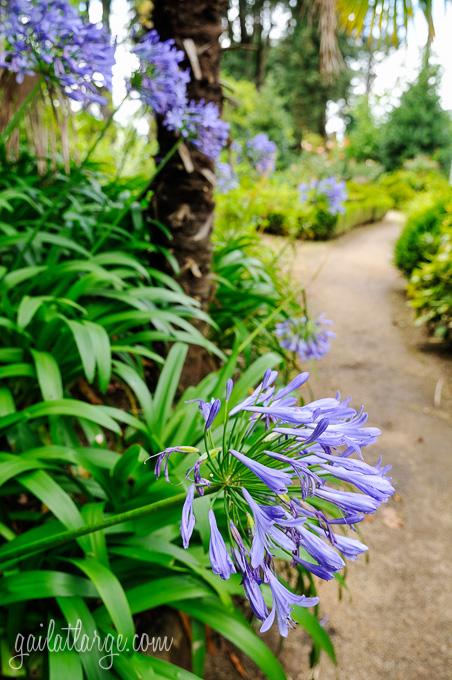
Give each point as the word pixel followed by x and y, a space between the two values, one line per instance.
pixel 49 376
pixel 74 611
pixel 167 384
pixel 236 629
pixel 111 593
pixel 315 630
pixel 37 585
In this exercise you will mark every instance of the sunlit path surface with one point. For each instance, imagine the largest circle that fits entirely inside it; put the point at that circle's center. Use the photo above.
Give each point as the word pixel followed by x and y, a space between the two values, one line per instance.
pixel 395 621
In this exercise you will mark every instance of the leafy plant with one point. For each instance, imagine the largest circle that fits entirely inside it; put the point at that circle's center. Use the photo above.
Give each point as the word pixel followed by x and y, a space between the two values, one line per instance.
pixel 430 286
pixel 251 294
pixel 420 234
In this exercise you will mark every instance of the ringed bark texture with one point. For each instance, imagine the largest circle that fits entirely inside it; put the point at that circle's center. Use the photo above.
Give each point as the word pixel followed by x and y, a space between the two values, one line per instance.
pixel 183 199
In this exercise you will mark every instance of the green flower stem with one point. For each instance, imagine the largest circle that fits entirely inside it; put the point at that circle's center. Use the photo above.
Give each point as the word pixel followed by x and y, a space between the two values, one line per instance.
pixel 102 132
pixel 10 555
pixel 249 339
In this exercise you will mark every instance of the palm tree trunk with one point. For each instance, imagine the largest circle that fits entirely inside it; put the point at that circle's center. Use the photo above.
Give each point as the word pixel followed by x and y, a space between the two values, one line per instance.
pixel 183 195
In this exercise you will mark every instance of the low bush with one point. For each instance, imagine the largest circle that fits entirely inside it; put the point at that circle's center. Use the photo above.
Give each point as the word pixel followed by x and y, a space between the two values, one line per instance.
pixel 420 234
pixel 264 204
pixel 430 286
pixel 365 203
pixel 404 185
pixel 273 205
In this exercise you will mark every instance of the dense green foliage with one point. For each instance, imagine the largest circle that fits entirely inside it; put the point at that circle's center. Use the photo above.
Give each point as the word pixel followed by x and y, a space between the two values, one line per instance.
pixel 430 286
pixel 420 234
pixel 424 253
pixel 418 125
pixel 273 205
pixel 294 64
pixel 250 111
pixel 93 345
pixel 363 133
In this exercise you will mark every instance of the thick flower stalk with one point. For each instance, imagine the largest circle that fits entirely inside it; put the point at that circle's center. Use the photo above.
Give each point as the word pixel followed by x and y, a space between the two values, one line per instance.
pixel 49 38
pixel 333 191
pixel 289 479
pixel 308 338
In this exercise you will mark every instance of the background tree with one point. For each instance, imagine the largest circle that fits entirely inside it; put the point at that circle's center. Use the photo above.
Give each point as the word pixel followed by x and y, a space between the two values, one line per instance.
pixel 183 199
pixel 363 133
pixel 295 65
pixel 418 125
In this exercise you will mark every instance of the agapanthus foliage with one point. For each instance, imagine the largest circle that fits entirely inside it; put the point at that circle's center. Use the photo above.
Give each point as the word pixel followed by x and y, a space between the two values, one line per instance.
pixel 289 479
pixel 161 83
pixel 227 180
pixel 50 39
pixel 261 153
pixel 330 189
pixel 308 338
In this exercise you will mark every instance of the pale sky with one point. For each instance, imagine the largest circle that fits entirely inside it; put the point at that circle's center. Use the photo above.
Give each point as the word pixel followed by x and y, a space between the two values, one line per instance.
pixel 392 74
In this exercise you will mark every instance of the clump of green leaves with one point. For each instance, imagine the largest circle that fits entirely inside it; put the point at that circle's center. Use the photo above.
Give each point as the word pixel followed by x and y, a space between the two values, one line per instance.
pixel 419 237
pixel 430 286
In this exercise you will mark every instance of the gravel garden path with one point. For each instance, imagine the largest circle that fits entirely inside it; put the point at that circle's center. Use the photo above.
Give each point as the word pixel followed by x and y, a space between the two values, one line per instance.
pixel 394 622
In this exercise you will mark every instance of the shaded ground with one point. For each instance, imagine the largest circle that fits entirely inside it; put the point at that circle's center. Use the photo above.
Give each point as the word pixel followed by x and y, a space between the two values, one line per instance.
pixel 395 622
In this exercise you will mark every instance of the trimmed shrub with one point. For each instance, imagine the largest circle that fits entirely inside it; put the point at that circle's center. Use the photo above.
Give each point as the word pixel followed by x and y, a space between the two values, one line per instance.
pixel 419 237
pixel 430 287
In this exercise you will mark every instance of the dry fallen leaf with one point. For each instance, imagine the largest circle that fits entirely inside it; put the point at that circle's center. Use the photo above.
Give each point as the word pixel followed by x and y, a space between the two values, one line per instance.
pixel 391 518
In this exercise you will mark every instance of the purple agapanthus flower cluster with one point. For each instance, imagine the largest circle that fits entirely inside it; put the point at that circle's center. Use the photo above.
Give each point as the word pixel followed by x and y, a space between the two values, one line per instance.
pixel 309 338
pixel 330 189
pixel 261 153
pixel 162 85
pixel 50 38
pixel 290 479
pixel 227 180
pixel 160 80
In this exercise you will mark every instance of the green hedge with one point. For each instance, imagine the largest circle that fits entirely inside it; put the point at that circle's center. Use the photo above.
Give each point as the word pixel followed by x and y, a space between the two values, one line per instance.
pixel 419 236
pixel 273 205
pixel 430 286
pixel 366 203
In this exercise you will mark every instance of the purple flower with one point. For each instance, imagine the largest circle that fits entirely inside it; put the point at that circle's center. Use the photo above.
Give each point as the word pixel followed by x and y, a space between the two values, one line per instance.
pixel 199 481
pixel 276 480
pixel 254 595
pixel 209 410
pixel 218 554
pixel 261 152
pixel 226 178
pixel 323 553
pixel 335 192
pixel 50 38
pixel 161 83
pixel 163 458
pixel 373 485
pixel 188 517
pixel 330 189
pixel 229 388
pixel 319 445
pixel 348 501
pixel 266 534
pixel 349 547
pixel 283 603
pixel 309 338
pixel 200 123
